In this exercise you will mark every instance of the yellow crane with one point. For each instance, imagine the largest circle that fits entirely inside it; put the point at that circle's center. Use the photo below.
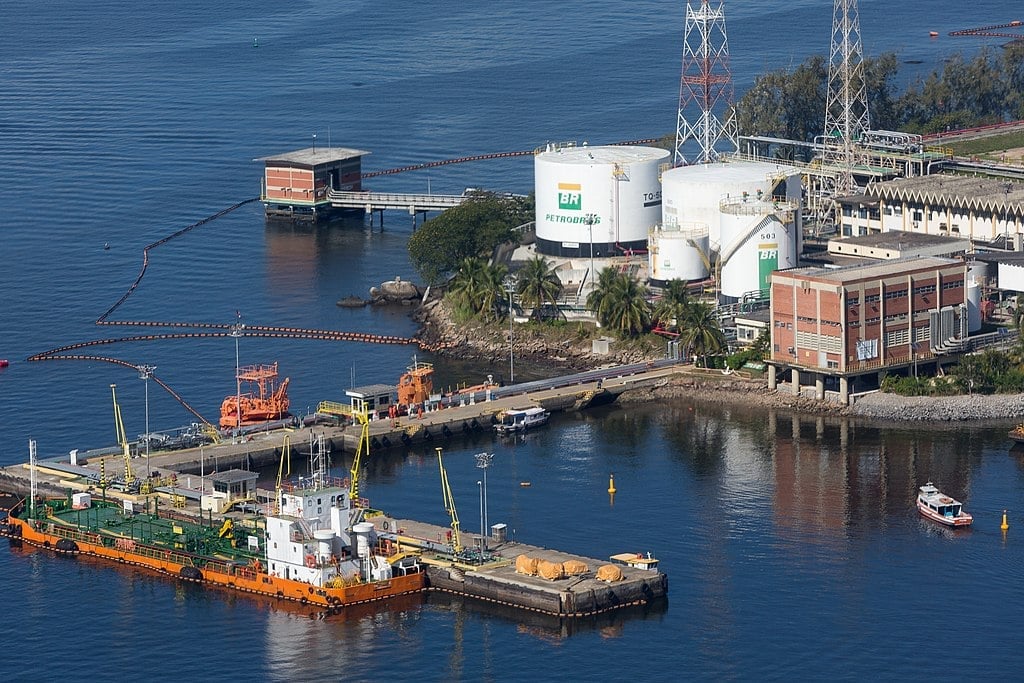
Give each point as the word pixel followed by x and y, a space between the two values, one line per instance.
pixel 363 447
pixel 449 505
pixel 122 439
pixel 286 455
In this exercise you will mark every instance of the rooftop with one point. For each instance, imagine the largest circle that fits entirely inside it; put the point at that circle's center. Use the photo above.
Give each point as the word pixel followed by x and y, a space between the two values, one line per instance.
pixel 870 270
pixel 370 390
pixel 902 240
pixel 950 189
pixel 313 156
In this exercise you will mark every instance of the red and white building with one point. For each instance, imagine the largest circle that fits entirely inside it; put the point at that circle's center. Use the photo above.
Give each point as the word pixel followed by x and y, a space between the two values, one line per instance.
pixel 296 184
pixel 833 325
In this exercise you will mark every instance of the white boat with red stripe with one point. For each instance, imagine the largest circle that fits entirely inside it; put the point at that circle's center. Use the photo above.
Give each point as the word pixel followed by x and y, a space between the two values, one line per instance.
pixel 937 506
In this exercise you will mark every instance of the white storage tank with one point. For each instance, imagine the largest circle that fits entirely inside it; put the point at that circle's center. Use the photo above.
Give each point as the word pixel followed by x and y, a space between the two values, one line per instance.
pixel 608 197
pixel 758 237
pixel 692 194
pixel 678 252
pixel 973 306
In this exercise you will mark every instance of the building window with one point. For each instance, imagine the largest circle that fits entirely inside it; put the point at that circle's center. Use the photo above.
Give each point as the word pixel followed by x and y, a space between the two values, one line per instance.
pixel 871 298
pixel 833 365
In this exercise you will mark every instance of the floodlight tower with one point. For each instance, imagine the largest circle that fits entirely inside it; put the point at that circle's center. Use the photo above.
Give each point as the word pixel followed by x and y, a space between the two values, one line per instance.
pixel 846 106
pixel 706 112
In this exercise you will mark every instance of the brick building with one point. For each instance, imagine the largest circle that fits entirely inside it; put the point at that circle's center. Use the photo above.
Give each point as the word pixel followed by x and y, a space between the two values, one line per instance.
pixel 296 184
pixel 833 325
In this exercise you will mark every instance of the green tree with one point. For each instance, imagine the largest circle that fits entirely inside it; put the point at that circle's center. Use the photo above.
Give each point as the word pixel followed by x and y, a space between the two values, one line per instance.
pixel 598 300
pixel 538 285
pixel 620 303
pixel 670 309
pixel 472 229
pixel 701 333
pixel 477 286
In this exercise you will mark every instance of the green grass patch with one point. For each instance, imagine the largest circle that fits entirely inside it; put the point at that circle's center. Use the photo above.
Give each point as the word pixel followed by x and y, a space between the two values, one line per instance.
pixel 988 144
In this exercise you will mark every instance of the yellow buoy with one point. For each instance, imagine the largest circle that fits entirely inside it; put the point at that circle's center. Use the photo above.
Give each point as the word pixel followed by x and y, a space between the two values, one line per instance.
pixel 611 483
pixel 1004 526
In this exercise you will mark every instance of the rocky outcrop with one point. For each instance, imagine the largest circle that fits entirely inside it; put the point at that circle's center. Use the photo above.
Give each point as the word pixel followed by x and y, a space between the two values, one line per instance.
pixel 397 291
pixel 489 342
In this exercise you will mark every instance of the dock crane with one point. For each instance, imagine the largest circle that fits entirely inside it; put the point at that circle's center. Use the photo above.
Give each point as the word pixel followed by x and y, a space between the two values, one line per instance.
pixel 122 440
pixel 286 455
pixel 363 447
pixel 449 505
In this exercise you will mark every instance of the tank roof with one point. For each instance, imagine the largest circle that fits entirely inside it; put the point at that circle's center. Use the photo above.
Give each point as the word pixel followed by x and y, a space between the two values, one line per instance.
pixel 610 154
pixel 314 156
pixel 729 172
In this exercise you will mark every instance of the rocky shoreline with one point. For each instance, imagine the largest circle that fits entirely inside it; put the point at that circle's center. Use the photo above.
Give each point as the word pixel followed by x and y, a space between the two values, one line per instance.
pixel 440 334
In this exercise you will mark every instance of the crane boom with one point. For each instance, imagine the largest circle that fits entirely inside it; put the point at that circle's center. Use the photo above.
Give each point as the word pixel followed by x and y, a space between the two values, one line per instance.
pixel 122 439
pixel 363 447
pixel 449 505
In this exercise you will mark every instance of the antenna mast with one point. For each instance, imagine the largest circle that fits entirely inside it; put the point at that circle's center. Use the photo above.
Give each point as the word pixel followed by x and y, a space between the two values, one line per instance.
pixel 705 87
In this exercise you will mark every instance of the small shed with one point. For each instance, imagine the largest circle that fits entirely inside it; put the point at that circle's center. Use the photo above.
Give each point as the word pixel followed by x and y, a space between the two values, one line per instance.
pixel 236 484
pixel 372 398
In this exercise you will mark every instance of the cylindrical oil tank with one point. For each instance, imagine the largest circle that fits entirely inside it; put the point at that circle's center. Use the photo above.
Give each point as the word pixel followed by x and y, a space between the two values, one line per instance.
pixel 608 197
pixel 692 194
pixel 973 306
pixel 679 252
pixel 757 237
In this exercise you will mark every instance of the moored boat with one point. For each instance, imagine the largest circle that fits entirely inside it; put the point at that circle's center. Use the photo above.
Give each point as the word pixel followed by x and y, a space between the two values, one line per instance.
pixel 941 508
pixel 318 546
pixel 519 420
pixel 1017 433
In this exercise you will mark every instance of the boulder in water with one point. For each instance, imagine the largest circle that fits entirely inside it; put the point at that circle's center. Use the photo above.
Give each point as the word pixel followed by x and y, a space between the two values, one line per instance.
pixel 397 291
pixel 352 301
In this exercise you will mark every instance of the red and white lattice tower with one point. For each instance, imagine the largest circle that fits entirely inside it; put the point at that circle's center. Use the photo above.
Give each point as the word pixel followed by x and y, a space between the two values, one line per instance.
pixel 846 107
pixel 707 117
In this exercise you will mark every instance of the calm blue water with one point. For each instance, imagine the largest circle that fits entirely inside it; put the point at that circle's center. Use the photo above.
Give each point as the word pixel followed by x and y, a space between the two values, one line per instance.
pixel 793 547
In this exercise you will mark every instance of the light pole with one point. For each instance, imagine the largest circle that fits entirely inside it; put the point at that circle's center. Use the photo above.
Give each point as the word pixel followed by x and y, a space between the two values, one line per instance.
pixel 145 372
pixel 483 461
pixel 590 219
pixel 510 287
pixel 236 332
pixel 479 486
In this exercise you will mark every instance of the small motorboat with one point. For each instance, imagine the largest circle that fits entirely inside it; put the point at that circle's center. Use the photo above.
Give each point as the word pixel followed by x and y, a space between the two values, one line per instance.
pixel 941 508
pixel 520 420
pixel 3 363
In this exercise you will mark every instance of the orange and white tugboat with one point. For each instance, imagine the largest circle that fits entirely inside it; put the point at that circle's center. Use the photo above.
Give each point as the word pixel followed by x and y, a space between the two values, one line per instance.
pixel 318 548
pixel 939 507
pixel 263 399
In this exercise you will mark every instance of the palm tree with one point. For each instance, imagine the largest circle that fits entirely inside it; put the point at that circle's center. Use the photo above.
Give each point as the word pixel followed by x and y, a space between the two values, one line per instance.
pixel 538 284
pixel 620 303
pixel 477 285
pixel 598 299
pixel 671 309
pixel 700 332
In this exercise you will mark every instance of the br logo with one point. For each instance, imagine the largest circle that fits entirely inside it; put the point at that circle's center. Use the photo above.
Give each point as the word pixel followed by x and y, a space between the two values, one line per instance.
pixel 569 197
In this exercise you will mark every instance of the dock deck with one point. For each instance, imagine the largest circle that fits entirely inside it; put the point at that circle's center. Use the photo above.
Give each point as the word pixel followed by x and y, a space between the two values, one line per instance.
pixel 498 581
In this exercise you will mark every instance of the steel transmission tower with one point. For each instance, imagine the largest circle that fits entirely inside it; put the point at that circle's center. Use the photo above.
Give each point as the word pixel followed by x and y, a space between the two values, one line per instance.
pixel 705 87
pixel 846 107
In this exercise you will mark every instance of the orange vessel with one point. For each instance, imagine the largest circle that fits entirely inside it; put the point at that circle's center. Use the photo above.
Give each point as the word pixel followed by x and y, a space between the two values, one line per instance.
pixel 260 400
pixel 318 550
pixel 416 385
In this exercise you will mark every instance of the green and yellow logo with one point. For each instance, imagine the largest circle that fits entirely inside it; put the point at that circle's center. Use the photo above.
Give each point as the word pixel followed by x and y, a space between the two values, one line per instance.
pixel 570 197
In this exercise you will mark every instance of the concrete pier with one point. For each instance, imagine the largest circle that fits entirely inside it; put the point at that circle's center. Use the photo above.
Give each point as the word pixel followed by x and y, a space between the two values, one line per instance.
pixel 497 581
